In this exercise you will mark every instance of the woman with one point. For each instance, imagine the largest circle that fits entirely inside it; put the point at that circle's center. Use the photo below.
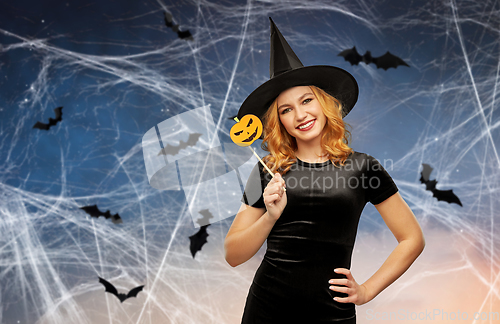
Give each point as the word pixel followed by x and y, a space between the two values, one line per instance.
pixel 309 210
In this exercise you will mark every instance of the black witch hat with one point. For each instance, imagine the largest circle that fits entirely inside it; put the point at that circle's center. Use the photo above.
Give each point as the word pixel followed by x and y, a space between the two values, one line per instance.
pixel 287 71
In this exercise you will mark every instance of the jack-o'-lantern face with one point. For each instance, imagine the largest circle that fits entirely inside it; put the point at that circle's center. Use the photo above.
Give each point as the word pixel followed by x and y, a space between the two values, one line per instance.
pixel 247 130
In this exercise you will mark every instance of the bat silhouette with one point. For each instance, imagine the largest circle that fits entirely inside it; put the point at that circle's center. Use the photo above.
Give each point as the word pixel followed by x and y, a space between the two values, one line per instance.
pixel 93 211
pixel 169 22
pixel 385 61
pixel 206 217
pixel 111 289
pixel 446 195
pixel 198 240
pixel 52 121
pixel 173 150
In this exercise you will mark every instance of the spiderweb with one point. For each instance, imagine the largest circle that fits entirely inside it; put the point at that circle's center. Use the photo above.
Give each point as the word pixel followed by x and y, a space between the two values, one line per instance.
pixel 118 71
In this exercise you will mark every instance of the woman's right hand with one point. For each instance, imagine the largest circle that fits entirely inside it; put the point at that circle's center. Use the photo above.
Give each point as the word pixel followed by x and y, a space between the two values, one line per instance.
pixel 275 197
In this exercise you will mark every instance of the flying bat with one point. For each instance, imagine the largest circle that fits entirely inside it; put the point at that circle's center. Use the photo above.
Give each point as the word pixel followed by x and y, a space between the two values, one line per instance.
pixel 169 22
pixel 173 150
pixel 385 61
pixel 198 240
pixel 52 121
pixel 446 195
pixel 206 217
pixel 111 289
pixel 93 211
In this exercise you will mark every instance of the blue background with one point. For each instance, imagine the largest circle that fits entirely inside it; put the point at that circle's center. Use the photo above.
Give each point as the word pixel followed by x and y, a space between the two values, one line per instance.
pixel 118 70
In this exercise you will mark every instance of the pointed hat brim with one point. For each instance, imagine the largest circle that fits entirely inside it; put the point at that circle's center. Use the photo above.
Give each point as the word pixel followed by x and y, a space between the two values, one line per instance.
pixel 335 81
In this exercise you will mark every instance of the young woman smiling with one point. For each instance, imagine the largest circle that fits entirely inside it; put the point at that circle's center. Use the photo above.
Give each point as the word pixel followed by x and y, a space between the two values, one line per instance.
pixel 311 227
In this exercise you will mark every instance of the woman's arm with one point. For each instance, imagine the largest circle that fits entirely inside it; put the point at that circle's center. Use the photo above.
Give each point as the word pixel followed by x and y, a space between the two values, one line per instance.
pixel 249 230
pixel 403 224
pixel 251 226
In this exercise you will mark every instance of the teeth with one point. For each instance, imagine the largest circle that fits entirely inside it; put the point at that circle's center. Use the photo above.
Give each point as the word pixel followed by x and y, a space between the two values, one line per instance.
pixel 306 125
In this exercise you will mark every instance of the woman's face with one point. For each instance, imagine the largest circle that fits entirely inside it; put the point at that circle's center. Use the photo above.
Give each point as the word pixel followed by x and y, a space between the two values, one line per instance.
pixel 301 114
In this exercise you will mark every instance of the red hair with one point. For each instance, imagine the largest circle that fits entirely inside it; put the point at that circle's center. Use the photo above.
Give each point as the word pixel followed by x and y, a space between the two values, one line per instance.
pixel 281 146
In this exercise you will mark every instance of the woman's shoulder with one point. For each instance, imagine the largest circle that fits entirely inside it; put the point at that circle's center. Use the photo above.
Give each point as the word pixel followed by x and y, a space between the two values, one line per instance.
pixel 363 161
pixel 355 155
pixel 360 156
pixel 370 163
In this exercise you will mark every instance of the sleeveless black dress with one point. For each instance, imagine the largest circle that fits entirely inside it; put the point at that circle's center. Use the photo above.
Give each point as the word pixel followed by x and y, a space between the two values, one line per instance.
pixel 314 235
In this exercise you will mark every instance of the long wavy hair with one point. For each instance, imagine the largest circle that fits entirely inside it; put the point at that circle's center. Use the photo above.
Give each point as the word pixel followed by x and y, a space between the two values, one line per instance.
pixel 281 146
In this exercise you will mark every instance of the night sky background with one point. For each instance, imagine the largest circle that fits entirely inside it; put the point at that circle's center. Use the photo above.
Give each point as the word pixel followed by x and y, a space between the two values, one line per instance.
pixel 119 71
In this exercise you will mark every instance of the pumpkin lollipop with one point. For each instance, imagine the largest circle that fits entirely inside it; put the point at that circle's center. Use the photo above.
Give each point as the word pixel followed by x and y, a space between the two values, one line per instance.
pixel 245 132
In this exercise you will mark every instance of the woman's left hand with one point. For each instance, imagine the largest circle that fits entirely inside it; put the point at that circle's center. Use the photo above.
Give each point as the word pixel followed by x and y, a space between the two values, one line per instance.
pixel 357 294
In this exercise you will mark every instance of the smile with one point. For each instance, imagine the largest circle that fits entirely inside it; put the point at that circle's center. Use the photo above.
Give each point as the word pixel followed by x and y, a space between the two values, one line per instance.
pixel 307 126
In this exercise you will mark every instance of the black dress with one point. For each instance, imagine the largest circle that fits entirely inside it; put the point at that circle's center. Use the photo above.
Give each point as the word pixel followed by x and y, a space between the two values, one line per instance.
pixel 314 235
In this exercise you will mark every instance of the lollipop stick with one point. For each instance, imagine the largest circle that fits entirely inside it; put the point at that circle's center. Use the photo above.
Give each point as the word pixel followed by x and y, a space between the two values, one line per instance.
pixel 258 157
pixel 262 162
pixel 265 166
